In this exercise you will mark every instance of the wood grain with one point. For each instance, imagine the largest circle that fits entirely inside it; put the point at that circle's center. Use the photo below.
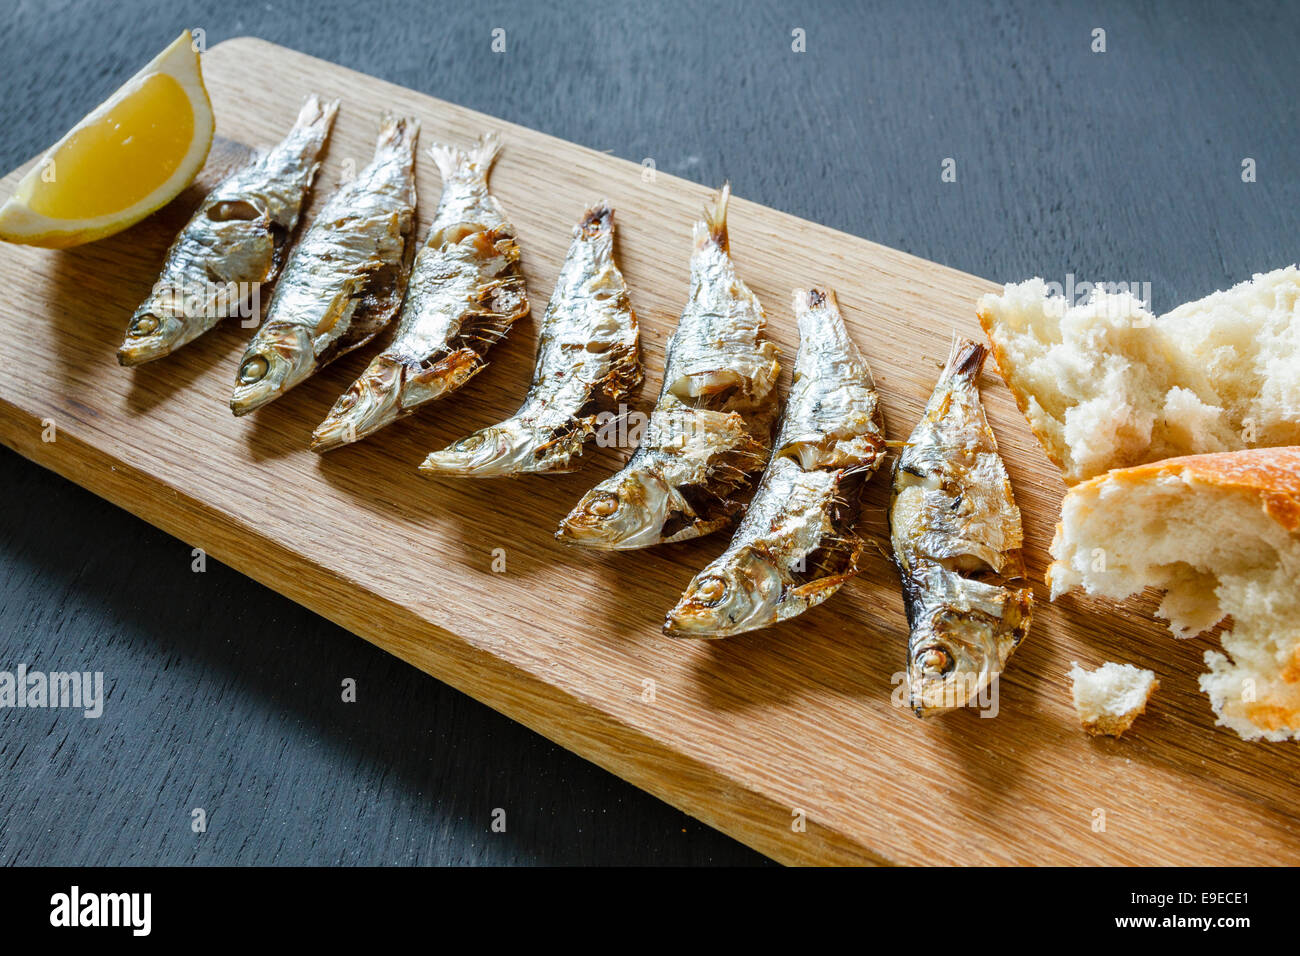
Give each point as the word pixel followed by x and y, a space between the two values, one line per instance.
pixel 741 733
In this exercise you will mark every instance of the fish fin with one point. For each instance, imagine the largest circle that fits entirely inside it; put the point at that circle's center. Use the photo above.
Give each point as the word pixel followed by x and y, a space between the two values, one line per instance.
pixel 625 377
pixel 817 298
pixel 700 527
pixel 717 217
pixel 317 112
pixel 453 161
pixel 449 159
pixel 597 220
pixel 484 153
pixel 713 227
pixel 307 138
pixel 814 592
pixel 397 136
pixel 446 375
pixel 965 359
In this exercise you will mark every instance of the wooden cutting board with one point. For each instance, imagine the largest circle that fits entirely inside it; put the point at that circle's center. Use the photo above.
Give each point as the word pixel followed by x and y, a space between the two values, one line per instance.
pixel 787 738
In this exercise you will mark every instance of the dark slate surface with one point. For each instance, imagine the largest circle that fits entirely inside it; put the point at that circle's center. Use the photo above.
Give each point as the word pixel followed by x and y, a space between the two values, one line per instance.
pixel 1123 165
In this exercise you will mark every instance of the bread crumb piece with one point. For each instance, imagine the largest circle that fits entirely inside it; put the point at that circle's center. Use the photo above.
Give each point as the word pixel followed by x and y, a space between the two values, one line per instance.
pixel 1110 698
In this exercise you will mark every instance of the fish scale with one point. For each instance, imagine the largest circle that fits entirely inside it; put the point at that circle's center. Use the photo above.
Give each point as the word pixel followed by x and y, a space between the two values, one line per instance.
pixel 588 358
pixel 795 546
pixel 346 277
pixel 956 536
pixel 710 431
pixel 235 242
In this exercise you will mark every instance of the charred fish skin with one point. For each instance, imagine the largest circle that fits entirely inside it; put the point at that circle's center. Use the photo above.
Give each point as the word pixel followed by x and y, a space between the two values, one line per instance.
pixel 466 290
pixel 795 546
pixel 346 277
pixel 711 429
pixel 588 359
pixel 956 536
pixel 237 238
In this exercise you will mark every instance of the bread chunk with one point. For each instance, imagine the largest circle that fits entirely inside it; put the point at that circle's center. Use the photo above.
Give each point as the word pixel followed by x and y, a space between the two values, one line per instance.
pixel 1105 384
pixel 1220 534
pixel 1111 697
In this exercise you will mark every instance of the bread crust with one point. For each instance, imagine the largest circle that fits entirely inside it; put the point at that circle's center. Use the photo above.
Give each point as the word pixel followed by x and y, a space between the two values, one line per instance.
pixel 1270 474
pixel 1115 725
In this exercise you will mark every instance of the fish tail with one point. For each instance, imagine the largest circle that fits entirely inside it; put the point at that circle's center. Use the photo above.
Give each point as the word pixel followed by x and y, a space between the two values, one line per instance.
pixel 817 311
pixel 965 359
pixel 807 300
pixel 317 114
pixel 449 159
pixel 397 136
pixel 597 221
pixel 716 217
pixel 455 162
pixel 713 228
pixel 818 298
pixel 310 131
pixel 484 153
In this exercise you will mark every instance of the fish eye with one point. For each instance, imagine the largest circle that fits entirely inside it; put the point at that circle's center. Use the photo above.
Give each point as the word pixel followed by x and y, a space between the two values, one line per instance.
pixel 934 661
pixel 253 370
pixel 711 590
pixel 145 325
pixel 604 506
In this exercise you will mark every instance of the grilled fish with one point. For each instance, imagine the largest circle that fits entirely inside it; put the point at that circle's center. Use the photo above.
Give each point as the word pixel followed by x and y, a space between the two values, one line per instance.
pixel 711 428
pixel 235 242
pixel 956 536
pixel 345 278
pixel 588 358
pixel 795 545
pixel 466 290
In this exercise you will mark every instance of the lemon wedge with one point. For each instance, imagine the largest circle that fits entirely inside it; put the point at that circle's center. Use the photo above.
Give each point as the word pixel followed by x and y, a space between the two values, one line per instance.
pixel 132 155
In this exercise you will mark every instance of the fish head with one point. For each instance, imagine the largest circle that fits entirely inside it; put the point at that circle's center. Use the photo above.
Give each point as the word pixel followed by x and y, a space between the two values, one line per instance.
pixel 958 648
pixel 278 359
pixel 505 449
pixel 370 403
pixel 949 663
pixel 739 593
pixel 154 332
pixel 623 512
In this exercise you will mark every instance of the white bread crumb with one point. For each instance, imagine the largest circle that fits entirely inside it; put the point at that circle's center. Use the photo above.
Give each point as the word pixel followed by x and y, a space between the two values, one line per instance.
pixel 1110 698
pixel 1105 384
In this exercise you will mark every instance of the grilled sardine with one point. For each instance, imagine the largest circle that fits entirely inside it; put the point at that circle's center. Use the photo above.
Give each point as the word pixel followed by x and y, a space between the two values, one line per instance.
pixel 711 428
pixel 588 358
pixel 466 290
pixel 956 536
pixel 234 243
pixel 345 278
pixel 796 545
